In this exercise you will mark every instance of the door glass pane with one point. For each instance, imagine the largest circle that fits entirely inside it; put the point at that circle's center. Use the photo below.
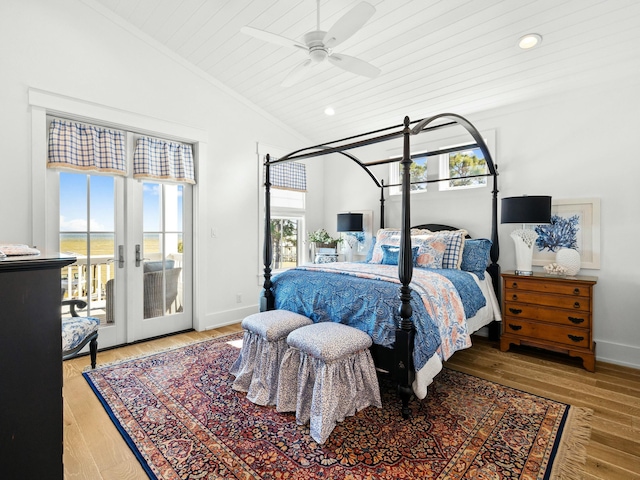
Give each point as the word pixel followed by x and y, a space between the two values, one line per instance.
pixel 163 248
pixel 284 235
pixel 87 231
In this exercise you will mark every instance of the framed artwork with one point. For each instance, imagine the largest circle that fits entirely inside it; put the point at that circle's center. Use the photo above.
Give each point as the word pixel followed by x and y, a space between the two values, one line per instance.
pixel 575 223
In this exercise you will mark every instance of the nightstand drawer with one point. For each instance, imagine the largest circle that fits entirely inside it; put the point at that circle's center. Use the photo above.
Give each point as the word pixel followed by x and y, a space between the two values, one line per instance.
pixel 559 287
pixel 555 315
pixel 560 301
pixel 554 333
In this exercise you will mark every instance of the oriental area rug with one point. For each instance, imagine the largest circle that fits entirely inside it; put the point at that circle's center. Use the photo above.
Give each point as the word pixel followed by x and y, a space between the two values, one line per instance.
pixel 179 415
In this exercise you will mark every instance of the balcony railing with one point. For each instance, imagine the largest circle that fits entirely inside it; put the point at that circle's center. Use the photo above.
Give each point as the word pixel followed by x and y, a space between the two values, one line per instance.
pixel 86 279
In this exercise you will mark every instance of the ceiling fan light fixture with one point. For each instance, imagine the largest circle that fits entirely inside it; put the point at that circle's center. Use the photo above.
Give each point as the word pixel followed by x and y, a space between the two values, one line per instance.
pixel 318 54
pixel 529 41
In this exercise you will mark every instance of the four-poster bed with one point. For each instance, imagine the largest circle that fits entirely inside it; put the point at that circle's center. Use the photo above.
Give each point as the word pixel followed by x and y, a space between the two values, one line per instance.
pixel 403 354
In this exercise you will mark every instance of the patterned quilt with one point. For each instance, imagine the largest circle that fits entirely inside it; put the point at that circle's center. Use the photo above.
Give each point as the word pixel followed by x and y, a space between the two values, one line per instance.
pixel 366 296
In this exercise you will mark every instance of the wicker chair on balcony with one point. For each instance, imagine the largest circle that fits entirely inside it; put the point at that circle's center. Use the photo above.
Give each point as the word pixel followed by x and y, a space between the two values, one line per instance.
pixel 153 305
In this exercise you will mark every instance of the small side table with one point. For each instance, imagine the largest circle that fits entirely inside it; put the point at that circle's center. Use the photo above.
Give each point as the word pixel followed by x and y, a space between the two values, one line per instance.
pixel 550 312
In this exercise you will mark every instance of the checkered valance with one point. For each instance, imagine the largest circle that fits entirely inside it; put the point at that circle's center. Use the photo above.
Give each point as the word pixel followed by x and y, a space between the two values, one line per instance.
pixel 160 159
pixel 289 176
pixel 86 147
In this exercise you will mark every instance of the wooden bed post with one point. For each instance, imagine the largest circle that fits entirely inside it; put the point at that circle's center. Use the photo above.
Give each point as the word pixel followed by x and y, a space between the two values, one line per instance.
pixel 495 246
pixel 267 301
pixel 405 333
pixel 382 204
pixel 494 268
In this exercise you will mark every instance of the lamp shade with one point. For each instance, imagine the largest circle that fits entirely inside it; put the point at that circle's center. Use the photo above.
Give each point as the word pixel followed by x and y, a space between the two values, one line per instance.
pixel 534 209
pixel 350 222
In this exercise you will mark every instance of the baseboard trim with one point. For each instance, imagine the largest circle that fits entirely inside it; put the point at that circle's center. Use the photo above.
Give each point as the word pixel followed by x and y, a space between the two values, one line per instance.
pixel 228 317
pixel 618 354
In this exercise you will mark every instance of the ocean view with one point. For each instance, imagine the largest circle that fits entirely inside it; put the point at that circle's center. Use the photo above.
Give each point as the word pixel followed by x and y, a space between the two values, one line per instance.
pixel 103 243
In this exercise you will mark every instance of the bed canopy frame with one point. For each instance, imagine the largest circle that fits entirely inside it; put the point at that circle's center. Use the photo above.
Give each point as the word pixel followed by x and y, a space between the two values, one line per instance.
pixel 400 363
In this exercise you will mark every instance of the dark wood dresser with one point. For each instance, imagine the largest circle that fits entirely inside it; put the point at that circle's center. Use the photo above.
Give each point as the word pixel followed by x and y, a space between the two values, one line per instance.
pixel 31 367
pixel 550 312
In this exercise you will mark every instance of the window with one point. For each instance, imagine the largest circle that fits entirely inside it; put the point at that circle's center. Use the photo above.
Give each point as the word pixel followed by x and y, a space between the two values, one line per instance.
pixel 455 165
pixel 287 227
pixel 288 203
pixel 284 237
pixel 417 171
pixel 460 164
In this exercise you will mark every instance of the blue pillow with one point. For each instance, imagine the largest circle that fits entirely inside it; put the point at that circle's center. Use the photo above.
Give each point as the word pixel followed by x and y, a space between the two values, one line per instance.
pixel 475 256
pixel 390 254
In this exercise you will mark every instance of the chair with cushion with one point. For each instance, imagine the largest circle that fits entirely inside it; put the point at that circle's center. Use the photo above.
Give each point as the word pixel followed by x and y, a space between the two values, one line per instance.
pixel 153 284
pixel 153 294
pixel 77 331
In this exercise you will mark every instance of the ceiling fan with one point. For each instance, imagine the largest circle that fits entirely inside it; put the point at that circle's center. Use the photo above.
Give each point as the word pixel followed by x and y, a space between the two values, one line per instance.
pixel 319 44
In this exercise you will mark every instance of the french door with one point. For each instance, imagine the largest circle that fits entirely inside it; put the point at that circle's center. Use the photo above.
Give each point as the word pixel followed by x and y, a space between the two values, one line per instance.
pixel 132 240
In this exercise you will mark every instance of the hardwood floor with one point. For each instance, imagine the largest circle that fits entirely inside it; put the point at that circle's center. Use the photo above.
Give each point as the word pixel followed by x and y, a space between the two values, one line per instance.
pixel 93 448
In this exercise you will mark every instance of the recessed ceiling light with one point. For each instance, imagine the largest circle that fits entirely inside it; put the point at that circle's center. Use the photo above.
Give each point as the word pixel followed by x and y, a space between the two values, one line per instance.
pixel 329 111
pixel 529 40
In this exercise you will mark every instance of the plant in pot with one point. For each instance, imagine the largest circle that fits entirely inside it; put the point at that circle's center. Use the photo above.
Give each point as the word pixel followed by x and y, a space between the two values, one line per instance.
pixel 321 239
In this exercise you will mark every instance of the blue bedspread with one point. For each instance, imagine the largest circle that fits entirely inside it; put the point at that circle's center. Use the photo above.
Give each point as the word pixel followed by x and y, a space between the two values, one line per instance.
pixel 371 304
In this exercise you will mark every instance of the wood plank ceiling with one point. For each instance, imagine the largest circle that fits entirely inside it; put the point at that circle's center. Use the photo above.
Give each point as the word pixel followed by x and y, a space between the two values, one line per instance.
pixel 436 56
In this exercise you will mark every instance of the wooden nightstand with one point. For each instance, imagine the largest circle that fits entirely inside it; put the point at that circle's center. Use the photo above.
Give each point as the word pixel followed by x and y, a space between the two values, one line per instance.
pixel 550 312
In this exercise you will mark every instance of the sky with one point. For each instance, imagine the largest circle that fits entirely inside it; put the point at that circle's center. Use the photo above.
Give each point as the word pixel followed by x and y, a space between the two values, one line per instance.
pixel 73 203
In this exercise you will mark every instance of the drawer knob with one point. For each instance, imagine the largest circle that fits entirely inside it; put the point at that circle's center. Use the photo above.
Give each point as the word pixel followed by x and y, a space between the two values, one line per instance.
pixel 576 320
pixel 515 327
pixel 514 297
pixel 514 285
pixel 575 338
pixel 576 305
pixel 515 311
pixel 576 291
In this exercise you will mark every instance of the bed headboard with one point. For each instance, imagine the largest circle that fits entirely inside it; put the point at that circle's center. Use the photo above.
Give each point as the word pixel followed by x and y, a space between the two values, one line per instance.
pixel 437 227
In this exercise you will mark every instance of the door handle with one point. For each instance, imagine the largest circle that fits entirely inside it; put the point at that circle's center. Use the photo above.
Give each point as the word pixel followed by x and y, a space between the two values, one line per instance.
pixel 120 256
pixel 138 255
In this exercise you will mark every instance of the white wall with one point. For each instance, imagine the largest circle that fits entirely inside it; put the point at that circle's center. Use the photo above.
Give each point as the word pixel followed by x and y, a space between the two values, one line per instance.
pixel 578 145
pixel 70 49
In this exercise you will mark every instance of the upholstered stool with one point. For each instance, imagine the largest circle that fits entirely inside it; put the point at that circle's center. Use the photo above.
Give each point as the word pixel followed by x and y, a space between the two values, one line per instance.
pixel 76 333
pixel 327 374
pixel 265 341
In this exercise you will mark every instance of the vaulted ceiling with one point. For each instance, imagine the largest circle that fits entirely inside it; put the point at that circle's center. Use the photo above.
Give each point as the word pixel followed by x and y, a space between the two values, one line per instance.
pixel 436 56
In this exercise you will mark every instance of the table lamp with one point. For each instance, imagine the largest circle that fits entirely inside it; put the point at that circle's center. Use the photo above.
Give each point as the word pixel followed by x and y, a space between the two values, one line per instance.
pixel 350 222
pixel 533 209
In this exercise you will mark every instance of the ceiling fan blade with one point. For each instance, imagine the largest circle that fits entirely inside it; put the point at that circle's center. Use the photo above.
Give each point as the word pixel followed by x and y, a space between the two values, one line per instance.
pixel 354 65
pixel 348 24
pixel 297 74
pixel 272 38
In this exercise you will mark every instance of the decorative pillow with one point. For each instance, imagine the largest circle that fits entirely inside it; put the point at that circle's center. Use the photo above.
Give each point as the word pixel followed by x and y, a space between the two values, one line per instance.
pixel 475 256
pixel 431 251
pixel 455 242
pixel 389 236
pixel 390 254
